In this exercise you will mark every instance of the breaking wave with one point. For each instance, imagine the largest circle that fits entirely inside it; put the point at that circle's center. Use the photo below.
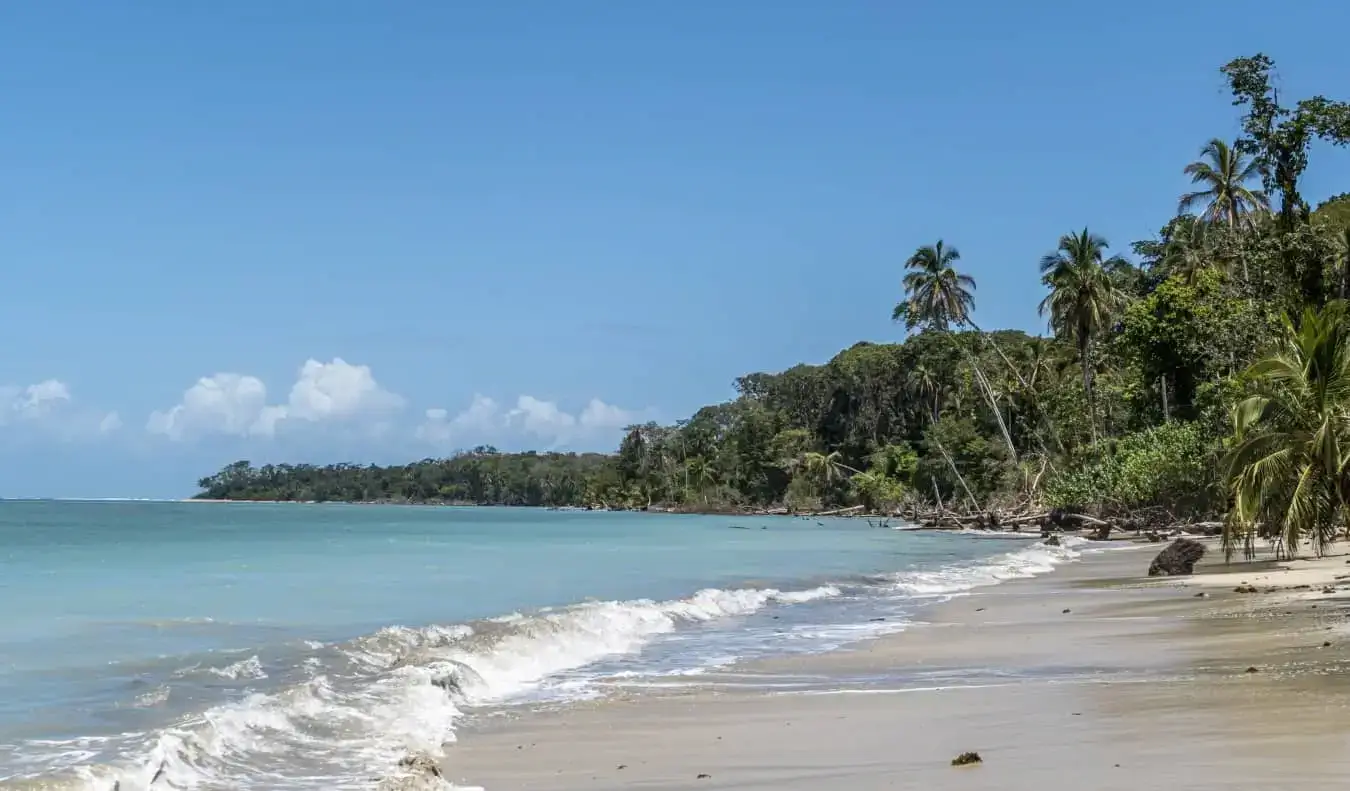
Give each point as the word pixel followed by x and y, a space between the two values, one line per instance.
pixel 370 702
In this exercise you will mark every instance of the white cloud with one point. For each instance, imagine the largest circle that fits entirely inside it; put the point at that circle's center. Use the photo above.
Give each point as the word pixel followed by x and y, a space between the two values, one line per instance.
pixel 110 423
pixel 599 416
pixel 542 418
pixel 222 404
pixel 483 414
pixel 436 428
pixel 485 421
pixel 236 404
pixel 49 408
pixel 33 402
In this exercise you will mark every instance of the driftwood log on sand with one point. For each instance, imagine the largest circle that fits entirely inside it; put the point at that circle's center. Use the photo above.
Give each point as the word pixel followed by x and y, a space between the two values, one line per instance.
pixel 1178 559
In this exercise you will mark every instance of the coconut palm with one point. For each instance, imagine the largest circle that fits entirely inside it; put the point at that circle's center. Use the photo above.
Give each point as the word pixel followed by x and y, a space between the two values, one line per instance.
pixel 936 295
pixel 923 383
pixel 1340 258
pixel 1084 297
pixel 827 468
pixel 1289 466
pixel 939 297
pixel 1189 251
pixel 1222 173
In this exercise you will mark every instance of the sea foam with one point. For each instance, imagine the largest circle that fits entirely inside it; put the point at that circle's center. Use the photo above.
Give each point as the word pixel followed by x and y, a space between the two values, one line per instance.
pixel 402 689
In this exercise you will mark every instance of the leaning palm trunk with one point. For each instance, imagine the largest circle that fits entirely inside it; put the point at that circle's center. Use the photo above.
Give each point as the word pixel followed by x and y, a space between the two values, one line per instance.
pixel 951 463
pixel 993 407
pixel 999 351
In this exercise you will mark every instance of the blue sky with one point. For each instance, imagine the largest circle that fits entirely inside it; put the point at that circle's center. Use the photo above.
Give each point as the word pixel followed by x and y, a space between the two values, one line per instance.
pixel 544 218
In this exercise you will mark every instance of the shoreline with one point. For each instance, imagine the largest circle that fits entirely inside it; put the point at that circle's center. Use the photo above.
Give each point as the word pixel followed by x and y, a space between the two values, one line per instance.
pixel 1061 679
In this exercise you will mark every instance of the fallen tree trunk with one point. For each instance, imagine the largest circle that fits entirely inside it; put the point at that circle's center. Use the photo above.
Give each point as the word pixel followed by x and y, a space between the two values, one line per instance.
pixel 851 509
pixel 1178 559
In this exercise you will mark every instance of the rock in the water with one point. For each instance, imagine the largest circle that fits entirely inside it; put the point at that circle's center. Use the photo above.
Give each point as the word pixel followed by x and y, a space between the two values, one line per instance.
pixel 420 764
pixel 1178 559
pixel 967 759
pixel 459 676
pixel 417 772
pixel 1052 541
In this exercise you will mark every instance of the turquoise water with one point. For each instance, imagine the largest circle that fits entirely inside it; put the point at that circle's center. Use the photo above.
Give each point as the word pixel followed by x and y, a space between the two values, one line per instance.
pixel 311 646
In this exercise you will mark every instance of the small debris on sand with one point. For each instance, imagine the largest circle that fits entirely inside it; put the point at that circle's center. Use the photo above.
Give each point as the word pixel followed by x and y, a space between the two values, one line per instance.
pixel 1253 670
pixel 967 759
pixel 703 776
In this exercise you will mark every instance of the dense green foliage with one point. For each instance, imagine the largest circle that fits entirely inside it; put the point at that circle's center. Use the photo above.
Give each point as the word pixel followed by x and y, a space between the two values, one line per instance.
pixel 1155 369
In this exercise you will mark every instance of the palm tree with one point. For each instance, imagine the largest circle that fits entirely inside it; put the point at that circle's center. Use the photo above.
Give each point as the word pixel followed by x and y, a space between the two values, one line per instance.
pixel 1289 466
pixel 1083 299
pixel 1340 257
pixel 1188 251
pixel 824 467
pixel 923 383
pixel 936 295
pixel 1223 173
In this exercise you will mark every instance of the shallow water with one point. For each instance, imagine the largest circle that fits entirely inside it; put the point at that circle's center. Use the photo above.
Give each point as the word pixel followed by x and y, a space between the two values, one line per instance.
pixel 311 646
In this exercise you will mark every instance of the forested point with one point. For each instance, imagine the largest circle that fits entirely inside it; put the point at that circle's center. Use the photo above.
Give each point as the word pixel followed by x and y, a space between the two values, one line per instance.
pixel 1203 375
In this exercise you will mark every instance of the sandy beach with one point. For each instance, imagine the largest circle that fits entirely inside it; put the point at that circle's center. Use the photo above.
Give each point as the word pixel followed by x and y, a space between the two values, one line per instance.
pixel 1090 677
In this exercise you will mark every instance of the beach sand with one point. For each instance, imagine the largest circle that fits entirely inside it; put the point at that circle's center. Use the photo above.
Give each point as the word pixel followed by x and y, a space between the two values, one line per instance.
pixel 1091 677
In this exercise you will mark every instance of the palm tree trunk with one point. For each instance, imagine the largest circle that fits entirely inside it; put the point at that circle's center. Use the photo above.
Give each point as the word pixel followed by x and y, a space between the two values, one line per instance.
pixel 1083 354
pixel 1345 273
pixel 974 504
pixel 993 405
pixel 1003 356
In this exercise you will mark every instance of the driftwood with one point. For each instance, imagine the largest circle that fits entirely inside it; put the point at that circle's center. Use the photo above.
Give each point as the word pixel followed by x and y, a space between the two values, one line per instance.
pixel 1178 559
pixel 852 509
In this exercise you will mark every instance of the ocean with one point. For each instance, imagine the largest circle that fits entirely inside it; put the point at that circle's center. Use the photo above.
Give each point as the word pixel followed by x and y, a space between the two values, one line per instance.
pixel 290 646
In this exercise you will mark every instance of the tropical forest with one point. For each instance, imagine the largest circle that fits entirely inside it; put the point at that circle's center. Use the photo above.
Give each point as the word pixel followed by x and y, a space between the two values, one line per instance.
pixel 1203 373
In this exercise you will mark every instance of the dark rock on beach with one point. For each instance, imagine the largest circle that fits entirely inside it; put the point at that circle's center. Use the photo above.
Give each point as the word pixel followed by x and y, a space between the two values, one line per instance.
pixel 1178 559
pixel 417 772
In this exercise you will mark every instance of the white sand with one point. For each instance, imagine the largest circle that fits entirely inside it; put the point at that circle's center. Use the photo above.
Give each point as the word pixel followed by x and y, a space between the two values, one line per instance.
pixel 1140 684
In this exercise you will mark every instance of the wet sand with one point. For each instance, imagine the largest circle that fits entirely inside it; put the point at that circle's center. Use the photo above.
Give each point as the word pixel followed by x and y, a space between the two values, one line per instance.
pixel 1138 683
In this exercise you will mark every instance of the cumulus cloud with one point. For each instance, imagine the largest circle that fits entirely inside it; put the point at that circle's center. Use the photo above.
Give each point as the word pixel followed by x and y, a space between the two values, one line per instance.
pixel 48 407
pixel 236 404
pixel 485 420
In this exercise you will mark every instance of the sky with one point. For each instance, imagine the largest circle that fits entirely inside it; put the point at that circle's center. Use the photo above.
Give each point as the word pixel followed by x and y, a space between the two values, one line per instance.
pixel 357 231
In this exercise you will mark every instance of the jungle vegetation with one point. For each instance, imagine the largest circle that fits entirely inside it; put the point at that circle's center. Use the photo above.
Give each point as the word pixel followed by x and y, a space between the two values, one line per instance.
pixel 1202 372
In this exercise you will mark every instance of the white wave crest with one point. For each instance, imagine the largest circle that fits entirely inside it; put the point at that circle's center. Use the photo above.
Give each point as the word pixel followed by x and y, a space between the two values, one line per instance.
pixel 413 685
pixel 249 668
pixel 1039 558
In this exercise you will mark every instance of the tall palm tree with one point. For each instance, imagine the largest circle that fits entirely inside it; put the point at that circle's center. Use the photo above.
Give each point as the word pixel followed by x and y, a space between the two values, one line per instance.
pixel 1083 298
pixel 1222 173
pixel 936 295
pixel 1289 466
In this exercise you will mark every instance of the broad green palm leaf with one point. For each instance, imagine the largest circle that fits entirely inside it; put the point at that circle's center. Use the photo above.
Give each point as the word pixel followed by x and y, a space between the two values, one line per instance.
pixel 1289 463
pixel 1222 174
